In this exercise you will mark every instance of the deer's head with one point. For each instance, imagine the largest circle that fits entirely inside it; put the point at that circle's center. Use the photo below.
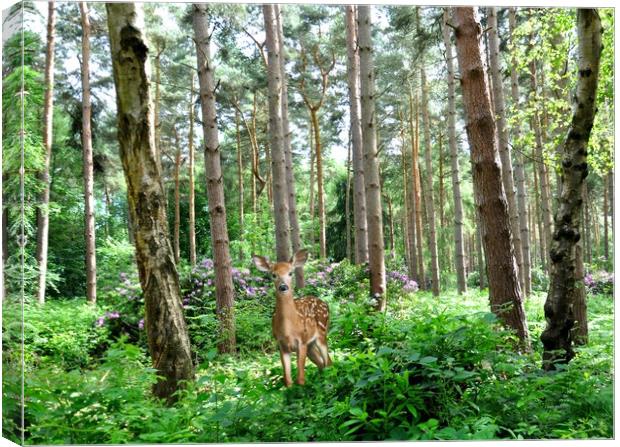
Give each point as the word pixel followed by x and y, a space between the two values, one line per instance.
pixel 281 272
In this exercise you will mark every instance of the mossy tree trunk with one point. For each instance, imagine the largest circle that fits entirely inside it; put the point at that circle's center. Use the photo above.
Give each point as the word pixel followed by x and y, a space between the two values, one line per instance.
pixel 164 322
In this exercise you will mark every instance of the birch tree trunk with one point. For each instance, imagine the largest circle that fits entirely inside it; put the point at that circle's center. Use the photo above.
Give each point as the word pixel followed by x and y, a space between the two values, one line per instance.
pixel 353 79
pixel 526 271
pixel 87 148
pixel 461 279
pixel 504 146
pixel 43 219
pixel 374 218
pixel 165 324
pixel 430 202
pixel 276 143
pixel 288 155
pixel 192 206
pixel 215 185
pixel 490 198
pixel 559 307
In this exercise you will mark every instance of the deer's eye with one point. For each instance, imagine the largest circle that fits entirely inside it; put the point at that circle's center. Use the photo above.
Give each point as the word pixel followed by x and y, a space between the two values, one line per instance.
pixel 290 273
pixel 273 275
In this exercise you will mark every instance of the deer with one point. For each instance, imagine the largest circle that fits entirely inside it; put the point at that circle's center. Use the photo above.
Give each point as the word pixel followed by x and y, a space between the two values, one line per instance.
pixel 298 325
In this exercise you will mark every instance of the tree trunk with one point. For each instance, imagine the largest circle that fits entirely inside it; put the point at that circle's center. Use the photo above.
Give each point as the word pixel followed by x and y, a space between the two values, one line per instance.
pixel 372 182
pixel 409 222
pixel 165 325
pixel 239 181
pixel 215 186
pixel 288 156
pixel 605 220
pixel 87 147
pixel 177 200
pixel 157 61
pixel 542 242
pixel 276 143
pixel 526 270
pixel 545 194
pixel 5 249
pixel 587 239
pixel 319 183
pixel 559 307
pixel 442 192
pixel 353 79
pixel 490 198
pixel 43 219
pixel 430 202
pixel 482 271
pixel 347 203
pixel 192 206
pixel 610 185
pixel 504 146
pixel 416 196
pixel 461 279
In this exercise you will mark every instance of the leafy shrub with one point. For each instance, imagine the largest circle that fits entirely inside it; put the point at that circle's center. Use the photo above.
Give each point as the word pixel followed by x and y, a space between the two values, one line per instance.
pixel 600 282
pixel 540 280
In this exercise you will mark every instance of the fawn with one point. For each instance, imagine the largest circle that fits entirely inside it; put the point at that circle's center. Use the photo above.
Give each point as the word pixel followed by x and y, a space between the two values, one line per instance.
pixel 298 325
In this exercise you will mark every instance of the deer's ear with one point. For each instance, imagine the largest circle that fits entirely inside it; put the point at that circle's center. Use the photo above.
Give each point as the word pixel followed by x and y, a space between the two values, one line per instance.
pixel 261 263
pixel 300 258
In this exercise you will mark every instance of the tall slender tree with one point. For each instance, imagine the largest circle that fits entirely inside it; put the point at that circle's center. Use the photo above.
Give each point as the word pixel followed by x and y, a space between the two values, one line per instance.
pixel 430 201
pixel 43 218
pixel 276 143
pixel 504 289
pixel 176 241
pixel 502 131
pixel 559 312
pixel 87 151
pixel 288 155
pixel 191 198
pixel 524 229
pixel 459 258
pixel 215 188
pixel 353 80
pixel 374 217
pixel 164 322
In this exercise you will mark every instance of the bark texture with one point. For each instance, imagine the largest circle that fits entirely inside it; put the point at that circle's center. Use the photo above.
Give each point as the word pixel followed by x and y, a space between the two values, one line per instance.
pixel 224 290
pixel 43 219
pixel 353 79
pixel 87 151
pixel 524 229
pixel 416 191
pixel 374 218
pixel 504 146
pixel 504 289
pixel 288 156
pixel 559 313
pixel 191 199
pixel 430 201
pixel 176 243
pixel 461 279
pixel 276 143
pixel 165 324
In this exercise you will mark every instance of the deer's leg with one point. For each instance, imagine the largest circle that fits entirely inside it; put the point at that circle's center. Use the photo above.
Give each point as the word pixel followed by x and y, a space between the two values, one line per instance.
pixel 322 346
pixel 285 358
pixel 314 353
pixel 301 363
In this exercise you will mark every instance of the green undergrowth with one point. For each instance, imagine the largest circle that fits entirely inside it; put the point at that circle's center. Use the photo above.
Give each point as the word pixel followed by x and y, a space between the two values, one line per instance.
pixel 428 368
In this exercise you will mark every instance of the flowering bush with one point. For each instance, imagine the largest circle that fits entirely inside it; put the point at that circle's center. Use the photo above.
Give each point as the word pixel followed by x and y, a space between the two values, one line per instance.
pixel 401 281
pixel 600 282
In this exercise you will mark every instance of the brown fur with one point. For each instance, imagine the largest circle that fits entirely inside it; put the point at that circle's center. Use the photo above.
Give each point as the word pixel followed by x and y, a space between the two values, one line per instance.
pixel 298 326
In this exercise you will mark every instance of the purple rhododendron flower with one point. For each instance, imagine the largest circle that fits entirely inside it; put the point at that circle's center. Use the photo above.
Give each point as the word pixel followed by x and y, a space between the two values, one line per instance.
pixel 100 321
pixel 141 324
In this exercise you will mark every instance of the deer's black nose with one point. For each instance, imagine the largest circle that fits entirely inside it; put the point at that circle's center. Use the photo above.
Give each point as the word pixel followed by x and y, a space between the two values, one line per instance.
pixel 283 288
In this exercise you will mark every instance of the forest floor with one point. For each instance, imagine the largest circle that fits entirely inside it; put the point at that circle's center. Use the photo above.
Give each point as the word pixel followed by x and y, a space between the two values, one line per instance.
pixel 429 368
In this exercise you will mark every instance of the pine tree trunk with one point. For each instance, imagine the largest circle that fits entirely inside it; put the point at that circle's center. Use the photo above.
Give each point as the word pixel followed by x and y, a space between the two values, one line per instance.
pixel 526 270
pixel 504 290
pixel 288 156
pixel 442 192
pixel 165 324
pixel 347 203
pixel 430 202
pixel 504 146
pixel 215 186
pixel 319 183
pixel 482 271
pixel 239 181
pixel 542 242
pixel 561 302
pixel 409 222
pixel 87 147
pixel 276 143
pixel 610 185
pixel 374 216
pixel 192 206
pixel 587 243
pixel 416 196
pixel 461 280
pixel 545 194
pixel 157 63
pixel 177 200
pixel 605 220
pixel 353 79
pixel 43 219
